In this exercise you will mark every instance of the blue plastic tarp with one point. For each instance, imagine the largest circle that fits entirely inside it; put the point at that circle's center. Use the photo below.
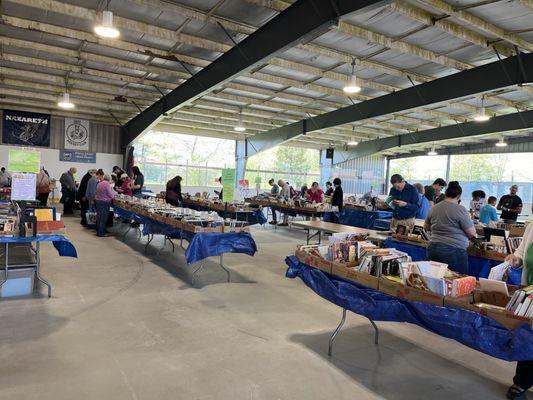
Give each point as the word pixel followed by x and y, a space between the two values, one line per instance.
pixel 471 329
pixel 477 266
pixel 358 218
pixel 210 244
pixel 62 244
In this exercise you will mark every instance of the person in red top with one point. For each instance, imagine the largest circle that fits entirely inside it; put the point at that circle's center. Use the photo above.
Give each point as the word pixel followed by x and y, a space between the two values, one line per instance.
pixel 125 187
pixel 315 194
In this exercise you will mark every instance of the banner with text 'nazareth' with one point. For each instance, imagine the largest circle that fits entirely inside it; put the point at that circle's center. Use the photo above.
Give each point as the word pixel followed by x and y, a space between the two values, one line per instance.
pixel 26 128
pixel 76 134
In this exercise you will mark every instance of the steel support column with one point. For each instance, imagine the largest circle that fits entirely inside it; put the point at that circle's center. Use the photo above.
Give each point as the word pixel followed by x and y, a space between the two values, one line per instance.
pixel 302 21
pixel 240 159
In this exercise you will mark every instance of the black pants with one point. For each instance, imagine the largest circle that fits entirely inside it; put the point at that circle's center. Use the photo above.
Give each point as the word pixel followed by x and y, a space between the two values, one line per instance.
pixel 524 374
pixel 68 198
pixel 274 216
pixel 84 207
pixel 43 198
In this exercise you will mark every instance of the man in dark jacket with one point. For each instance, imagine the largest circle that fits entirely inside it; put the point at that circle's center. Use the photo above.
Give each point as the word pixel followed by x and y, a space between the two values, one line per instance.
pixel 404 202
pixel 84 203
pixel 68 191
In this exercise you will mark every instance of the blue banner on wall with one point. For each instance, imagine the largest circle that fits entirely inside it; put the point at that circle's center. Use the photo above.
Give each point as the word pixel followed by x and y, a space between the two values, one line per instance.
pixel 26 128
pixel 77 156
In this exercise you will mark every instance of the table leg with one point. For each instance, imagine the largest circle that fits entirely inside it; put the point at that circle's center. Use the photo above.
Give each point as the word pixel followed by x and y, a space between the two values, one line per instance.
pixel 195 273
pixel 376 332
pixel 336 332
pixel 150 238
pixel 223 267
pixel 308 230
pixel 38 268
pixel 6 265
pixel 125 233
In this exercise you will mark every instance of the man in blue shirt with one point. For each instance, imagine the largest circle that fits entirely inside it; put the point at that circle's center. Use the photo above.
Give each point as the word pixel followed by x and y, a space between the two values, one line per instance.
pixel 405 200
pixel 488 213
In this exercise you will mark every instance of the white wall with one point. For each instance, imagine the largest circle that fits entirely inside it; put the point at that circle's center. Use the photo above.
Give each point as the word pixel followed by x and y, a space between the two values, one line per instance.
pixel 50 160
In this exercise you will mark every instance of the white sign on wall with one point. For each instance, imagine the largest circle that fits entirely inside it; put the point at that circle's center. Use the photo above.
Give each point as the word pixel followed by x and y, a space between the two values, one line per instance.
pixel 23 186
pixel 76 134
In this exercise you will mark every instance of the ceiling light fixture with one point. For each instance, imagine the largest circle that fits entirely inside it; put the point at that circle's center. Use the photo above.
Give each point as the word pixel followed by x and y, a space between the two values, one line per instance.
pixel 501 143
pixel 352 86
pixel 64 101
pixel 482 116
pixel 353 141
pixel 106 29
pixel 240 124
pixel 432 152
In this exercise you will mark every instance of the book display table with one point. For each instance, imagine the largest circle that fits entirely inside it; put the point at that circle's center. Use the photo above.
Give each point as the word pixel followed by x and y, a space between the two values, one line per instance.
pixel 469 328
pixel 330 227
pixel 359 218
pixel 63 246
pixel 201 244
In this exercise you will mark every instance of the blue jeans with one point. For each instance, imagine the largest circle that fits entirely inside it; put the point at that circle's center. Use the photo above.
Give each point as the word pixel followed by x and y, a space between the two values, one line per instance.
pixel 456 258
pixel 102 212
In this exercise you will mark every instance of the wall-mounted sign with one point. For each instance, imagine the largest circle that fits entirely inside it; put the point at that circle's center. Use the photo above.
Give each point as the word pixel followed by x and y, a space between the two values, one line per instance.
pixel 77 156
pixel 26 128
pixel 76 134
pixel 23 186
pixel 24 161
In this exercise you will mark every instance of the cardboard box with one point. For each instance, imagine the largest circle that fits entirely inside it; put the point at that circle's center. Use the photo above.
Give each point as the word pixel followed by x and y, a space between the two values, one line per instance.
pixel 422 296
pixel 516 231
pixel 370 281
pixel 391 287
pixel 198 229
pixel 313 261
pixel 237 229
pixel 341 269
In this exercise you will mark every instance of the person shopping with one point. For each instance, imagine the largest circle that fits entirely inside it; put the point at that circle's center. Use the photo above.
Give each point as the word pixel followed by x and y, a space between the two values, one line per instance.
pixel 138 182
pixel 510 205
pixel 274 192
pixel 314 194
pixel 173 191
pixel 451 227
pixel 43 187
pixel 103 199
pixel 523 257
pixel 68 191
pixel 125 186
pixel 405 202
pixel 81 195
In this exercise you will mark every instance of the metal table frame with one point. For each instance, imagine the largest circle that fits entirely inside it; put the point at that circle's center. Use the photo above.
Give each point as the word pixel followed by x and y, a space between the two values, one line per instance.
pixel 339 327
pixel 36 251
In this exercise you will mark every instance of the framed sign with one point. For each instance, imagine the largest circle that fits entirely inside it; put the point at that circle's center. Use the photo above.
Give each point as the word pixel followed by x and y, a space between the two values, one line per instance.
pixel 76 134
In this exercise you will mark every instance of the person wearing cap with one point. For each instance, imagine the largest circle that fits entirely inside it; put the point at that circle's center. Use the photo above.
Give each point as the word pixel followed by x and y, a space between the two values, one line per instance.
pixel 434 192
pixel 80 195
pixel 404 201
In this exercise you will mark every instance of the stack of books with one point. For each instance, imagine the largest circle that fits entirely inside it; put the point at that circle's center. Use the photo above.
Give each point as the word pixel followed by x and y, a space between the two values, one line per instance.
pixel 521 304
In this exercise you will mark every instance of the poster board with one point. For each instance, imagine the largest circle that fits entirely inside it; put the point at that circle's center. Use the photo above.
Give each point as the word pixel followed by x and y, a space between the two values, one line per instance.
pixel 23 186
pixel 77 134
pixel 228 184
pixel 24 161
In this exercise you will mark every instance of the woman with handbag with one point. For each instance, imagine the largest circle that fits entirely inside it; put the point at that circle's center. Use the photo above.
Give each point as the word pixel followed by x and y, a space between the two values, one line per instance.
pixel 173 191
pixel 43 187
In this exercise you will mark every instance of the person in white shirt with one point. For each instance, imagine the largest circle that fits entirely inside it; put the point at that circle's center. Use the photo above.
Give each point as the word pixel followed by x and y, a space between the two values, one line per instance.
pixel 478 201
pixel 285 194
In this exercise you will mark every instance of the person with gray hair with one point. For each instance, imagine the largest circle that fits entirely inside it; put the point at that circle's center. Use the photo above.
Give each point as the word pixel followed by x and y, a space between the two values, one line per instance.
pixel 103 198
pixel 81 195
pixel 68 191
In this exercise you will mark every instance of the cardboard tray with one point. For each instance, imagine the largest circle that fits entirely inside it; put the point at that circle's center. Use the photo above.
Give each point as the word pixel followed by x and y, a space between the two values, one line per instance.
pixel 313 261
pixel 236 229
pixel 198 229
pixel 370 281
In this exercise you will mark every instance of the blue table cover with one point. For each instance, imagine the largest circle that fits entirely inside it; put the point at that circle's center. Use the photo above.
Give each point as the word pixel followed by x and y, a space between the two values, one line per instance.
pixel 477 266
pixel 471 329
pixel 63 246
pixel 201 245
pixel 358 218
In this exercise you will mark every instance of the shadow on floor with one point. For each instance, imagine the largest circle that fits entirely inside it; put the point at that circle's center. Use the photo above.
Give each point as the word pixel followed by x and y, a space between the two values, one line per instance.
pixel 174 262
pixel 398 369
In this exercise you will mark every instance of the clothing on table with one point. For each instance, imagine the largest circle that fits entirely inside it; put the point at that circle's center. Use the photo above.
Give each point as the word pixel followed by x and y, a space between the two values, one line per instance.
pixel 329 191
pixel 510 201
pixel 102 213
pixel 410 195
pixel 338 198
pixel 455 257
pixel 315 196
pixel 104 192
pixel 91 191
pixel 447 222
pixel 125 187
pixel 487 213
pixel 423 207
pixel 274 190
pixel 475 206
pixel 138 181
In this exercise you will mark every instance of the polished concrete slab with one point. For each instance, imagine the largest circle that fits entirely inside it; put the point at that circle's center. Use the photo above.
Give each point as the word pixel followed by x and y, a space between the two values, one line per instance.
pixel 125 325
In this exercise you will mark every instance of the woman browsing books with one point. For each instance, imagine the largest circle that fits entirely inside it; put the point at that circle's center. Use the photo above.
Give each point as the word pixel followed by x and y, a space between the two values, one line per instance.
pixel 523 257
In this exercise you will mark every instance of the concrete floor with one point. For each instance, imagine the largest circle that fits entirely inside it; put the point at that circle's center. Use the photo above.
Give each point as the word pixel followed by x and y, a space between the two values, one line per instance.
pixel 122 325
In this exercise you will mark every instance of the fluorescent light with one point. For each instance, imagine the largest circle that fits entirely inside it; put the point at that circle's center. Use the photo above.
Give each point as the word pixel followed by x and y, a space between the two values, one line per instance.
pixel 106 29
pixel 352 143
pixel 432 152
pixel 352 86
pixel 64 102
pixel 501 143
pixel 240 124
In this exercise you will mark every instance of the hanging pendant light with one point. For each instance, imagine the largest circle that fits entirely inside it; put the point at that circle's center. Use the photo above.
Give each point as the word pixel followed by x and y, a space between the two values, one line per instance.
pixel 64 101
pixel 353 141
pixel 501 143
pixel 482 116
pixel 352 86
pixel 240 124
pixel 106 28
pixel 432 152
